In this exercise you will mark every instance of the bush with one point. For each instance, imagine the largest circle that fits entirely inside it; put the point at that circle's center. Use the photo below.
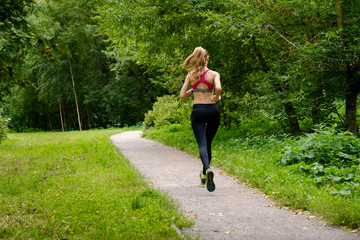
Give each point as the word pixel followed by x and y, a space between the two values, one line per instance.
pixel 3 127
pixel 167 110
pixel 328 158
pixel 327 147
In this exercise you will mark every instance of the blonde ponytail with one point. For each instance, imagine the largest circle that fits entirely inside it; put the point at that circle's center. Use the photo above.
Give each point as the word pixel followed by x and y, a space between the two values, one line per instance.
pixel 196 62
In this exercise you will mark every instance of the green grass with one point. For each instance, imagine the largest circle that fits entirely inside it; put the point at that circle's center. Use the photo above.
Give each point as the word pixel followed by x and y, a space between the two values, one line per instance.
pixel 76 185
pixel 254 158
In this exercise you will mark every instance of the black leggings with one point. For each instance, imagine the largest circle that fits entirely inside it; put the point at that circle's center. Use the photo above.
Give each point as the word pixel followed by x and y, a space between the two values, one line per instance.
pixel 205 120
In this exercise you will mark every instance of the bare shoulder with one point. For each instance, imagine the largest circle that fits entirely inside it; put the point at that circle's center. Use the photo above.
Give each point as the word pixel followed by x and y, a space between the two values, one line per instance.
pixel 214 73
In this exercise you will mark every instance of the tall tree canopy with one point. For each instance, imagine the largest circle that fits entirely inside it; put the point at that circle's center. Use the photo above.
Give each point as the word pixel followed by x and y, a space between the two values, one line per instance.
pixel 288 60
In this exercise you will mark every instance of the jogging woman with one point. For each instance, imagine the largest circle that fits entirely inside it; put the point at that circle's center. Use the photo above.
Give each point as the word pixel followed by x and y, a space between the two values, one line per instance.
pixel 205 116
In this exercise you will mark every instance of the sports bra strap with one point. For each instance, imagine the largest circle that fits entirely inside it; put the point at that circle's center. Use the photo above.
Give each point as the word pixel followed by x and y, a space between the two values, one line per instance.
pixel 202 80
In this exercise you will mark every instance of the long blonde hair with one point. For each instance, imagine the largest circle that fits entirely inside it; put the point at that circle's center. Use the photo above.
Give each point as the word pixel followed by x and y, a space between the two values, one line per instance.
pixel 196 62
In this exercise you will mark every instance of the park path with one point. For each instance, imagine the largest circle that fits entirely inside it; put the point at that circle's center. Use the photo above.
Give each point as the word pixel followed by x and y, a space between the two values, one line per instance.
pixel 232 211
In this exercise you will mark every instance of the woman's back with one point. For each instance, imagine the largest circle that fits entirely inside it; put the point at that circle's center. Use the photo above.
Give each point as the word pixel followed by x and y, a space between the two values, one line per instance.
pixel 204 97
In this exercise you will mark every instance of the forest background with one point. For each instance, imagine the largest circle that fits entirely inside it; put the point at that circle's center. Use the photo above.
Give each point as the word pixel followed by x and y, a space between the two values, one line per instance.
pixel 88 64
pixel 287 68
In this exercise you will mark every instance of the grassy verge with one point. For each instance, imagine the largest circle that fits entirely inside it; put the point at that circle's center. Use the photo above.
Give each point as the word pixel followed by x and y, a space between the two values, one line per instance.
pixel 75 185
pixel 254 158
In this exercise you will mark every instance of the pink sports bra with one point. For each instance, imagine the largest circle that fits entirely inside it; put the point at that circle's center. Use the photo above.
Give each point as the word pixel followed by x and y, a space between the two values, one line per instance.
pixel 202 80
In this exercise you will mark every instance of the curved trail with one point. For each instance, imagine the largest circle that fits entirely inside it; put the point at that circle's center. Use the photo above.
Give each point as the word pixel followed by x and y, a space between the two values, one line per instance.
pixel 233 211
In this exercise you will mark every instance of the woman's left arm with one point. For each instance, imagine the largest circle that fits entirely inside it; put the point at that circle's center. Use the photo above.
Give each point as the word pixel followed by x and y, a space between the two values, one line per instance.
pixel 184 93
pixel 218 89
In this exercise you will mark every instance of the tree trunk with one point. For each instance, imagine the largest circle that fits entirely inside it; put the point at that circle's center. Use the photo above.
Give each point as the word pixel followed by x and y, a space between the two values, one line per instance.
pixel 76 102
pixel 292 118
pixel 88 117
pixel 44 118
pixel 339 11
pixel 48 117
pixel 352 88
pixel 351 102
pixel 61 118
pixel 289 108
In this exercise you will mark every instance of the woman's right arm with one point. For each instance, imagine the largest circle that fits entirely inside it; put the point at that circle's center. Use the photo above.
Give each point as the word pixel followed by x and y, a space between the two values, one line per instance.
pixel 184 93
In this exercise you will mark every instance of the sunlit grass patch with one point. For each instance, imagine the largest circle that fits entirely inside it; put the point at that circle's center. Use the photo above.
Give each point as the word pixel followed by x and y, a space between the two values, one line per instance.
pixel 76 185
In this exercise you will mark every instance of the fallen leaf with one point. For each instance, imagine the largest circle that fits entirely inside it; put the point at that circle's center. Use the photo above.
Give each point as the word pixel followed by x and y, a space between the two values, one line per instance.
pixel 211 214
pixel 311 217
pixel 220 214
pixel 299 211
pixel 46 228
pixel 195 229
pixel 267 196
pixel 195 216
pixel 228 232
pixel 189 211
pixel 149 182
pixel 52 217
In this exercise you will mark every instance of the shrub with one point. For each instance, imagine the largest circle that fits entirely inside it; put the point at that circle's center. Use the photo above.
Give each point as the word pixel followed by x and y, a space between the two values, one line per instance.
pixel 167 110
pixel 327 147
pixel 328 158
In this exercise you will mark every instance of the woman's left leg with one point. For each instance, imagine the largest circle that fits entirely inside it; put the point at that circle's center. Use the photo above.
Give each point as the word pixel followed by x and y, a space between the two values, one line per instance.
pixel 211 129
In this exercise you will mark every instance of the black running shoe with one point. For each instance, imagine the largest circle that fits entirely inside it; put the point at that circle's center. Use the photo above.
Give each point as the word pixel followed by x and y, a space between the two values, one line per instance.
pixel 210 185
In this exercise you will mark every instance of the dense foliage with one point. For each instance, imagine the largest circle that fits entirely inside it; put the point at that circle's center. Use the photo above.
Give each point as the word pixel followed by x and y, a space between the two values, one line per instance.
pixel 290 61
pixel 329 158
pixel 65 80
pixel 168 110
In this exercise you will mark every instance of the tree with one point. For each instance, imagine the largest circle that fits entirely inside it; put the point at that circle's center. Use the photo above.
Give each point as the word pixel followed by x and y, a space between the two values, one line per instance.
pixel 14 36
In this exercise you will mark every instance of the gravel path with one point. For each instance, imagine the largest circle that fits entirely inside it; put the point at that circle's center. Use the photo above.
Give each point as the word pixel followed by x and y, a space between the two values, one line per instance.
pixel 233 211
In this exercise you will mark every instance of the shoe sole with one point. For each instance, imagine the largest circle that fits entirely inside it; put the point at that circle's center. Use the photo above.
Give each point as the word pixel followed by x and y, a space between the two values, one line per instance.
pixel 210 185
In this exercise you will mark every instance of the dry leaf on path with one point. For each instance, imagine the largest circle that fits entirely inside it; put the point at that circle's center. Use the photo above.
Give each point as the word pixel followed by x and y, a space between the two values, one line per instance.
pixel 299 211
pixel 228 232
